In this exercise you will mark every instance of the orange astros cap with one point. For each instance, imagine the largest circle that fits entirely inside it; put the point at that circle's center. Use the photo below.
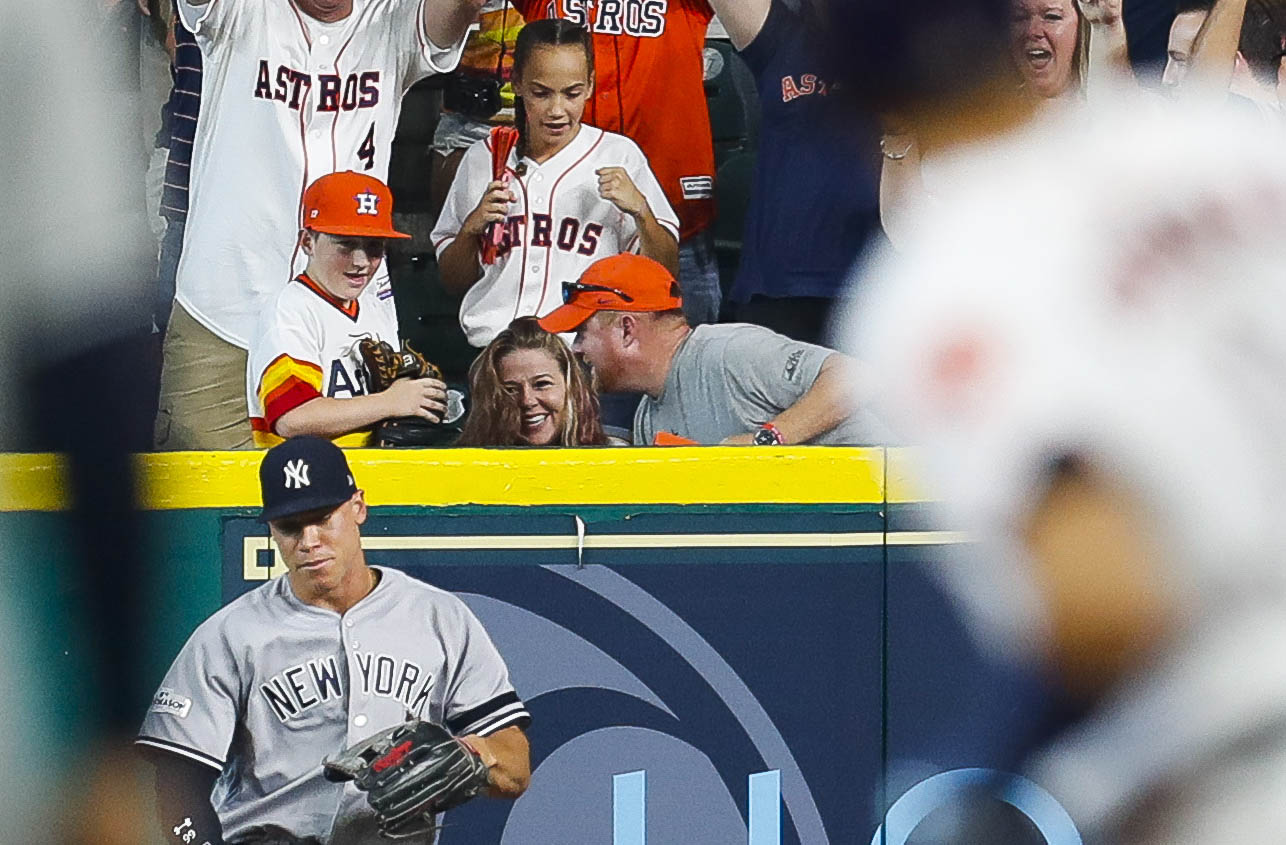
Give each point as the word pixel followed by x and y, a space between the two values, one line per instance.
pixel 350 204
pixel 625 282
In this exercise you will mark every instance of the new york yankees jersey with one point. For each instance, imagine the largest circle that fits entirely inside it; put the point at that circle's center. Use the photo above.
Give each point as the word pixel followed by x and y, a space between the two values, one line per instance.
pixel 269 686
pixel 285 99
pixel 306 347
pixel 557 226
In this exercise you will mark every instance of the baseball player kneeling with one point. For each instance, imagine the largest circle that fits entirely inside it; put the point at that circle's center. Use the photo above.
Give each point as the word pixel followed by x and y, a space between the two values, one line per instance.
pixel 337 702
pixel 323 362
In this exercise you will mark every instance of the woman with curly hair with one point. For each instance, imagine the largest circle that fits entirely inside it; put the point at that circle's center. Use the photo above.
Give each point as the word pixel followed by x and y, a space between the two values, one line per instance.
pixel 529 390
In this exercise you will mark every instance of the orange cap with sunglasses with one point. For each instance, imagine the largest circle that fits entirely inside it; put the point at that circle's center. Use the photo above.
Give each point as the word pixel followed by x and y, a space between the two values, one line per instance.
pixel 350 204
pixel 625 282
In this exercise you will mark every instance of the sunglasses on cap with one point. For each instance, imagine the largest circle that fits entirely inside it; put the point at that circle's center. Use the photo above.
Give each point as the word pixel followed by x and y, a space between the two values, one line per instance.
pixel 570 289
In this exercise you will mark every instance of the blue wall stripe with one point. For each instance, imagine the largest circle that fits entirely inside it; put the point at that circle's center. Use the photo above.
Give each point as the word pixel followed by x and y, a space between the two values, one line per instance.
pixel 629 808
pixel 765 808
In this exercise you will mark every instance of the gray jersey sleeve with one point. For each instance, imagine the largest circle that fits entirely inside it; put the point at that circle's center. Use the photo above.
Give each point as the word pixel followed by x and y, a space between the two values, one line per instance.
pixel 481 700
pixel 194 713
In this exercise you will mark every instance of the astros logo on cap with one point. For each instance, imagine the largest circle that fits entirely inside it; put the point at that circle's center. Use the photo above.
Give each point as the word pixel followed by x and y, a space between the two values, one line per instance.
pixel 350 204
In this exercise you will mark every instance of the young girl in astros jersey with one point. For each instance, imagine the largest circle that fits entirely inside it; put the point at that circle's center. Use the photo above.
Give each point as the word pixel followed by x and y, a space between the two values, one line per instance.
pixel 572 194
pixel 305 375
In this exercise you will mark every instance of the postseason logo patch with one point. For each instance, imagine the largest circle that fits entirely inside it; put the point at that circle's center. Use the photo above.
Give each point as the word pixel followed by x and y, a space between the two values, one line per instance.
pixel 697 187
pixel 167 702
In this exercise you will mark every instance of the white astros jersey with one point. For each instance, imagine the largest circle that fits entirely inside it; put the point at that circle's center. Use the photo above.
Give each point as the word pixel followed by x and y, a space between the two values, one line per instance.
pixel 269 686
pixel 556 228
pixel 306 347
pixel 285 99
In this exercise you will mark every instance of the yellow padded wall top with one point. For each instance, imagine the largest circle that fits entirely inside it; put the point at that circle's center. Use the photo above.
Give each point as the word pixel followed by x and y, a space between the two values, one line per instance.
pixel 441 477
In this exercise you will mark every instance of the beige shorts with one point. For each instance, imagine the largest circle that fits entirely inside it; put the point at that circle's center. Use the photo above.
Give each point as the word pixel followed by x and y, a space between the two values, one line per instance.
pixel 203 390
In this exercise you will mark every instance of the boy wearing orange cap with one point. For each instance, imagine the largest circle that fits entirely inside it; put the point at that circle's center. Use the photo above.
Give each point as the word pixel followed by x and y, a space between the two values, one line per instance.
pixel 305 375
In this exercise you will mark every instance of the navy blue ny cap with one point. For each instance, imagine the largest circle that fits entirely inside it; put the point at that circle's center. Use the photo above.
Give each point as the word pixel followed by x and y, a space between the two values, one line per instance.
pixel 303 474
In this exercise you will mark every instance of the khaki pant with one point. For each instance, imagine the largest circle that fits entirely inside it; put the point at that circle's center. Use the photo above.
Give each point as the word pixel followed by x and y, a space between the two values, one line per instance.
pixel 203 390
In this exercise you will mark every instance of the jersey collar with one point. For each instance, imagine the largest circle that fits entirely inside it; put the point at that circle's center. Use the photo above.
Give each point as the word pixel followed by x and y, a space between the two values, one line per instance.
pixel 374 598
pixel 584 139
pixel 349 308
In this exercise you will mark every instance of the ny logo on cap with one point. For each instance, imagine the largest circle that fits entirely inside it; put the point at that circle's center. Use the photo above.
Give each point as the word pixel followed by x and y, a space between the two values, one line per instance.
pixel 367 202
pixel 296 474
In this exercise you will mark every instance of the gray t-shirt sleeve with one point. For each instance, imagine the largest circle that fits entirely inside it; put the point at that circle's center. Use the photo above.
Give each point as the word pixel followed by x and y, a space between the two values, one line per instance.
pixel 480 698
pixel 771 371
pixel 194 713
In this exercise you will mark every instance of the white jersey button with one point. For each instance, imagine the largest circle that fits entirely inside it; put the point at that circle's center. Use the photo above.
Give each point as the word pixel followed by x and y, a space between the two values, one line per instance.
pixel 356 644
pixel 360 720
pixel 348 623
pixel 325 39
pixel 535 268
pixel 539 177
pixel 316 133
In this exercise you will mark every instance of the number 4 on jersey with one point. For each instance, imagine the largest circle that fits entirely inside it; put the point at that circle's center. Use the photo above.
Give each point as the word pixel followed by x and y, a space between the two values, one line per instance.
pixel 366 152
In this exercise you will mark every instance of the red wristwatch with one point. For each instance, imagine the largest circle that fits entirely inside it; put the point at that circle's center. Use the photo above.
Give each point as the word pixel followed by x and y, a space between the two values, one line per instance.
pixel 769 435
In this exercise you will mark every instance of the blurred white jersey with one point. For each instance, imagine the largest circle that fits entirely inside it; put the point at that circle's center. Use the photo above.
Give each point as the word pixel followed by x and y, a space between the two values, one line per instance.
pixel 1112 287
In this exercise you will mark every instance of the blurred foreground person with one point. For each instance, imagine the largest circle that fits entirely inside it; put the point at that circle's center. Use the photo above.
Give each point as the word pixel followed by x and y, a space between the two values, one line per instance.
pixel 74 335
pixel 1086 338
pixel 1098 383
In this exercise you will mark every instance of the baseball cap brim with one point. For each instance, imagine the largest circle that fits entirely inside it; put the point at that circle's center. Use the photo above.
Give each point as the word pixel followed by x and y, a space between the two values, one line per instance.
pixel 304 505
pixel 358 232
pixel 566 318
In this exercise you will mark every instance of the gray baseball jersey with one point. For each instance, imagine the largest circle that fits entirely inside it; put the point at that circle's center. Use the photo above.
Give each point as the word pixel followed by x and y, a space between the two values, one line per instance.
pixel 269 686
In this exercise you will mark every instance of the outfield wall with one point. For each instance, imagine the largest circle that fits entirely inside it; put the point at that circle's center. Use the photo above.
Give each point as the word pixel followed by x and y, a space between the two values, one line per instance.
pixel 699 614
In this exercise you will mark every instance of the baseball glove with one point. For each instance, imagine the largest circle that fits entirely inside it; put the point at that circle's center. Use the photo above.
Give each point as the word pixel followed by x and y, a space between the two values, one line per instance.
pixel 410 772
pixel 385 365
pixel 417 432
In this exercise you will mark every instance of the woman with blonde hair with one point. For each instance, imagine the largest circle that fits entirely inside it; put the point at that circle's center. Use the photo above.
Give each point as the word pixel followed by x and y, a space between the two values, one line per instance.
pixel 529 390
pixel 1062 52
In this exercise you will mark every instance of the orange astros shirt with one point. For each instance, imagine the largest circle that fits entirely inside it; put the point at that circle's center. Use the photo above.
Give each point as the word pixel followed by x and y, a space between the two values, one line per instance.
pixel 655 48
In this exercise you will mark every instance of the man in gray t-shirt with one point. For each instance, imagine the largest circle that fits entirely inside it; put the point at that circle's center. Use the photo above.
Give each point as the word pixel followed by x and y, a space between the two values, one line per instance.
pixel 732 384
pixel 312 663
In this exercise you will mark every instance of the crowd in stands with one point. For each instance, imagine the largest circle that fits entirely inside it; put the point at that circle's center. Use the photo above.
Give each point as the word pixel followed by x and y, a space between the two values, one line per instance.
pixel 576 205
